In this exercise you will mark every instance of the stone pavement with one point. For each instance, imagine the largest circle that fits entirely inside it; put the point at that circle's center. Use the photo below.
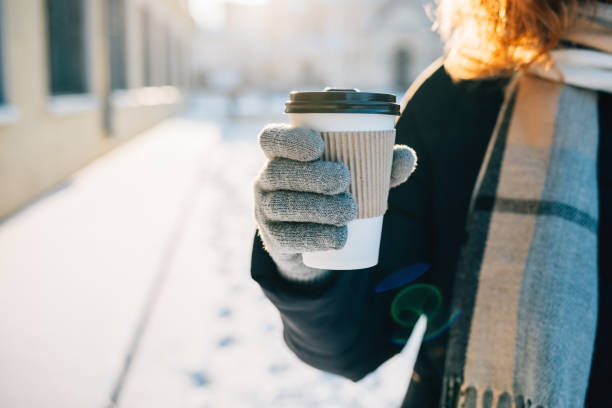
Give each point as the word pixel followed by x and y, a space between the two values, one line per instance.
pixel 129 286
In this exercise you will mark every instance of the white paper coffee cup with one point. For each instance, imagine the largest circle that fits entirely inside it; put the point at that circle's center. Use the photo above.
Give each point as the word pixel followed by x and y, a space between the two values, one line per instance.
pixel 358 128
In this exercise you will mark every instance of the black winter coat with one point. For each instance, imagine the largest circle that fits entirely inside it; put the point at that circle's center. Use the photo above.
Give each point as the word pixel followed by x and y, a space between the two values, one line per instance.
pixel 345 327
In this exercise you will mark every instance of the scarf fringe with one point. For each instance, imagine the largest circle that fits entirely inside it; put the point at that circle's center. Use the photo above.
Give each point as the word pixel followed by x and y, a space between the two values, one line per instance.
pixel 457 395
pixel 481 397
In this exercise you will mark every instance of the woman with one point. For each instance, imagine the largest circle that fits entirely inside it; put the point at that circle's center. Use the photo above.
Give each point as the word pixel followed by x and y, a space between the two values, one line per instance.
pixel 511 204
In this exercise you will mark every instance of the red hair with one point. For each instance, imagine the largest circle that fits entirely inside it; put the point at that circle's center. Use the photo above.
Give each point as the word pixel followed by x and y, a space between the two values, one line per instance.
pixel 486 38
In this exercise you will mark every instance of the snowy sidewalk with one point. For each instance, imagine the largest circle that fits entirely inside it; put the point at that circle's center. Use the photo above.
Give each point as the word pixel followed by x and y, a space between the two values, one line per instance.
pixel 130 284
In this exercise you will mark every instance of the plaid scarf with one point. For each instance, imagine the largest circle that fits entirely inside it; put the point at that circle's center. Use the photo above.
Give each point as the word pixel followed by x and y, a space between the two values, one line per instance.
pixel 526 283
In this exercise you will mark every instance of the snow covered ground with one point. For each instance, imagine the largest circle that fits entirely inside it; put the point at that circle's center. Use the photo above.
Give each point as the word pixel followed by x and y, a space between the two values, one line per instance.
pixel 130 286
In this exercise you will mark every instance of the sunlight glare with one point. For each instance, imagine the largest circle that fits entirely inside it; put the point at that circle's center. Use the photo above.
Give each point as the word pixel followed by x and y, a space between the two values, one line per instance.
pixel 209 13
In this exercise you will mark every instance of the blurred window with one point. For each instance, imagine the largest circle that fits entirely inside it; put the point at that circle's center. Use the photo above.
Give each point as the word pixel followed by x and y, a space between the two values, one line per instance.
pixel 66 36
pixel 145 27
pixel 180 80
pixel 2 96
pixel 401 68
pixel 175 60
pixel 176 55
pixel 185 63
pixel 158 53
pixel 168 62
pixel 116 24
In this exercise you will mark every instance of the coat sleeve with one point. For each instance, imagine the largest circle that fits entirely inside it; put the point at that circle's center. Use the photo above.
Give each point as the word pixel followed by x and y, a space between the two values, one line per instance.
pixel 345 327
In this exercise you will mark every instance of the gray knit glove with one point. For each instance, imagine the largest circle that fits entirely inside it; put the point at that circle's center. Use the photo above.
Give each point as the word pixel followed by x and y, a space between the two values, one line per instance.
pixel 301 201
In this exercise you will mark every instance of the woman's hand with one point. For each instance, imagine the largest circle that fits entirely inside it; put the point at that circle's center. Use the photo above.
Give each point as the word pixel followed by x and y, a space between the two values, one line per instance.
pixel 302 202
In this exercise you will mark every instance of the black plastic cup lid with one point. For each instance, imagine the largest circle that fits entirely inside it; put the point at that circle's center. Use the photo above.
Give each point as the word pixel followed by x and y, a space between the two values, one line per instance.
pixel 332 100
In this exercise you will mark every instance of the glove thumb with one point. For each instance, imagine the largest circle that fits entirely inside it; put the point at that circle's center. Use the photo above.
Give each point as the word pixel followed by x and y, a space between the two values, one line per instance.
pixel 404 163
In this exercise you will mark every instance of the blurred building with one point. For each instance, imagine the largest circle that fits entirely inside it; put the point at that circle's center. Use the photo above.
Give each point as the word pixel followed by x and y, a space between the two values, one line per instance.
pixel 284 44
pixel 77 77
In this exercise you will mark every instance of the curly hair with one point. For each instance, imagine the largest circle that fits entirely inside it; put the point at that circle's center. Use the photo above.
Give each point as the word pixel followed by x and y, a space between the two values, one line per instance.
pixel 486 38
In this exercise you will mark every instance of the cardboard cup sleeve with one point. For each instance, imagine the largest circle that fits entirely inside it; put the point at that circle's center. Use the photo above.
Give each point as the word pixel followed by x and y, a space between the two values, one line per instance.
pixel 368 155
